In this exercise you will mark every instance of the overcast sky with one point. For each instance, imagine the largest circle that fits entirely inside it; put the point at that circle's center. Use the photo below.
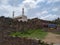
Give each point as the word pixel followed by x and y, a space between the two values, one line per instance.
pixel 43 9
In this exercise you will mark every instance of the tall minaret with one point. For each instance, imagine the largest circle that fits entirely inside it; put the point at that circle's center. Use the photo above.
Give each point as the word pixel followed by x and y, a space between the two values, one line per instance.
pixel 13 14
pixel 22 11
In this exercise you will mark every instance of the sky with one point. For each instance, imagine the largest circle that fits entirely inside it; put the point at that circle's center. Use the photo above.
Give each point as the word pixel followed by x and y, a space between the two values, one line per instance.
pixel 42 9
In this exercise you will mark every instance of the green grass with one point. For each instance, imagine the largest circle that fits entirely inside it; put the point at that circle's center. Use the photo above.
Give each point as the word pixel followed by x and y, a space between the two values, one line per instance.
pixel 39 34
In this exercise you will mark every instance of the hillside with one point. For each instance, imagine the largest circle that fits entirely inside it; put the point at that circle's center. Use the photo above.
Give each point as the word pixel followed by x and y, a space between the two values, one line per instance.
pixel 9 25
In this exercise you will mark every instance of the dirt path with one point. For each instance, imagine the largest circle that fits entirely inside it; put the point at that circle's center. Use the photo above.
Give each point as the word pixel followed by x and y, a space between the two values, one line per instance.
pixel 52 38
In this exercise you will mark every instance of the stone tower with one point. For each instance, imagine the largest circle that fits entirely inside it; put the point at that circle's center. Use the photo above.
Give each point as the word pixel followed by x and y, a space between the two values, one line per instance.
pixel 22 11
pixel 22 17
pixel 13 14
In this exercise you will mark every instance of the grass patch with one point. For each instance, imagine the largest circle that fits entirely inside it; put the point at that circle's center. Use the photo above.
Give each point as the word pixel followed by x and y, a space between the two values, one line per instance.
pixel 39 34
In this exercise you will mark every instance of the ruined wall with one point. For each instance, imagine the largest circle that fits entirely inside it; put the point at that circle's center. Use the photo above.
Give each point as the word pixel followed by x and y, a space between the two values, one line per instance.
pixel 21 41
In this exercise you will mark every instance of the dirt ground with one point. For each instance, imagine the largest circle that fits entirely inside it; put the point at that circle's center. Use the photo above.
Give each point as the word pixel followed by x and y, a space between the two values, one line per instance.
pixel 52 38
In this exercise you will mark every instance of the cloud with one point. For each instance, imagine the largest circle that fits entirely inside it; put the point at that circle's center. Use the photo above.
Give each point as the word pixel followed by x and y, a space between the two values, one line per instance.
pixel 40 14
pixel 7 9
pixel 32 3
pixel 52 1
pixel 55 9
pixel 43 9
pixel 50 17
pixel 44 12
pixel 4 2
pixel 46 15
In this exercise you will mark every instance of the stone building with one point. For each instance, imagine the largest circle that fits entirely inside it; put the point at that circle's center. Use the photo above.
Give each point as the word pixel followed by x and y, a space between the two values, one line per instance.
pixel 22 17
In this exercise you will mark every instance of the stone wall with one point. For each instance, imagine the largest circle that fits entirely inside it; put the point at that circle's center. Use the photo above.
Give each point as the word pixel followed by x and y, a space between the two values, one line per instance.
pixel 21 41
